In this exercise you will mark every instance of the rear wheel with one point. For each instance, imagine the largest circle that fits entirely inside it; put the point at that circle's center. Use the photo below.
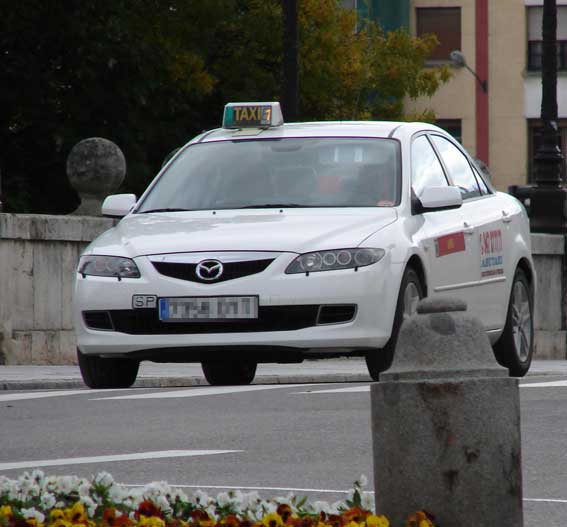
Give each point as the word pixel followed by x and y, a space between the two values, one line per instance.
pixel 98 372
pixel 411 292
pixel 514 349
pixel 229 373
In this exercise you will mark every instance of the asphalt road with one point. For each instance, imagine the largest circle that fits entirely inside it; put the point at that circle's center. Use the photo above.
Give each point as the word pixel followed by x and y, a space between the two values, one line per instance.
pixel 310 439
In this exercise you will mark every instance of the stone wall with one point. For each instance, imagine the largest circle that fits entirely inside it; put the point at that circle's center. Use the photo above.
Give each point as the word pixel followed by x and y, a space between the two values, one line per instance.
pixel 39 255
pixel 38 258
pixel 550 318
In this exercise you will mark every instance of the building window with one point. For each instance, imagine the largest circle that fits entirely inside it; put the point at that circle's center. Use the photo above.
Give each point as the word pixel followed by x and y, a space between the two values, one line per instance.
pixel 453 126
pixel 535 138
pixel 445 24
pixel 535 42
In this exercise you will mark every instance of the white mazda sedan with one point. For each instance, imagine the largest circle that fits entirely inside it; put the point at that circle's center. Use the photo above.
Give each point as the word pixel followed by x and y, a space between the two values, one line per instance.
pixel 270 242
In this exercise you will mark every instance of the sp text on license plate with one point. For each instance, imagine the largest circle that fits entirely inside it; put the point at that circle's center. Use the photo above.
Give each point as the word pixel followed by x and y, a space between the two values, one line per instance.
pixel 182 309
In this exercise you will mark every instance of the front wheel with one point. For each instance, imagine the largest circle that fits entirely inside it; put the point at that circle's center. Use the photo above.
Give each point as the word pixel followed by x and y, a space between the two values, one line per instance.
pixel 99 372
pixel 411 292
pixel 229 373
pixel 515 347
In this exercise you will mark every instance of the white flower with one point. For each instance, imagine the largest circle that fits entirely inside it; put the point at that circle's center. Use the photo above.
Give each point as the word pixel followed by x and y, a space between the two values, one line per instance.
pixel 47 500
pixel 90 505
pixel 104 479
pixel 210 510
pixel 367 501
pixel 117 494
pixel 363 480
pixel 66 484
pixel 38 476
pixel 334 508
pixel 320 506
pixel 84 488
pixel 201 497
pixel 163 504
pixel 223 499
pixel 33 514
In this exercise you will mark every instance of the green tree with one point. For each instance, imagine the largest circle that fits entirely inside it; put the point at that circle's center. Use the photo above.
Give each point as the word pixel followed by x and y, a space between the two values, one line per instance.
pixel 150 74
pixel 364 74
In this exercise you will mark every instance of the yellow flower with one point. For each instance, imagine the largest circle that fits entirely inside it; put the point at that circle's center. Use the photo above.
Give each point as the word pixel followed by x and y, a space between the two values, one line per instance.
pixel 76 514
pixel 273 519
pixel 56 514
pixel 60 522
pixel 150 521
pixel 377 521
pixel 352 524
pixel 6 510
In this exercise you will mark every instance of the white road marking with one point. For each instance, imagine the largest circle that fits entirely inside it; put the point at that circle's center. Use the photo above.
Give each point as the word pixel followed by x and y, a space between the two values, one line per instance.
pixel 197 392
pixel 40 395
pixel 548 384
pixel 352 389
pixel 366 388
pixel 545 500
pixel 105 459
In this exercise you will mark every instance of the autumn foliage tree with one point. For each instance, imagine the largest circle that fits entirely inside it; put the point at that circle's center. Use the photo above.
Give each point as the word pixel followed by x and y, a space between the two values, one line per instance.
pixel 150 74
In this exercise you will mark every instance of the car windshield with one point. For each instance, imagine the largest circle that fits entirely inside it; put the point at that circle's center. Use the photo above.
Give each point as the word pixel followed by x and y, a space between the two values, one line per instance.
pixel 305 172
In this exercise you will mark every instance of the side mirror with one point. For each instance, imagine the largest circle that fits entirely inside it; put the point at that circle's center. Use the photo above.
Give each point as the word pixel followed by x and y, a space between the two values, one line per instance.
pixel 118 205
pixel 440 198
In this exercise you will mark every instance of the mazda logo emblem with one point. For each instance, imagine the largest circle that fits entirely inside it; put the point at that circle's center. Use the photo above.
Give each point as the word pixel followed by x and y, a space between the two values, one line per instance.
pixel 209 270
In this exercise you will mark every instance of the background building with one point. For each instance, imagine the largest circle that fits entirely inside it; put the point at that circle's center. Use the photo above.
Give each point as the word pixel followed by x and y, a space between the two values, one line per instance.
pixel 502 43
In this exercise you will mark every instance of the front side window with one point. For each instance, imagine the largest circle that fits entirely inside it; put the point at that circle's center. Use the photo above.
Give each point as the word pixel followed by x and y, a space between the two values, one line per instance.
pixel 445 24
pixel 426 168
pixel 460 171
pixel 301 172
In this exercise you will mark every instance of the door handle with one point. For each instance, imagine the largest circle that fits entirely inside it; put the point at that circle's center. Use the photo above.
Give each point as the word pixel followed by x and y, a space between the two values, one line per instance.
pixel 467 229
pixel 506 218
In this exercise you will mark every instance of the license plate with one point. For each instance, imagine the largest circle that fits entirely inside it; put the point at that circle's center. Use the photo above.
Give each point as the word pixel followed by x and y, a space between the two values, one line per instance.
pixel 182 309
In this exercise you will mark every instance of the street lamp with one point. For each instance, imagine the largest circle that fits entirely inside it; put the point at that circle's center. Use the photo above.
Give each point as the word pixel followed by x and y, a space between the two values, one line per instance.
pixel 290 70
pixel 547 199
pixel 458 59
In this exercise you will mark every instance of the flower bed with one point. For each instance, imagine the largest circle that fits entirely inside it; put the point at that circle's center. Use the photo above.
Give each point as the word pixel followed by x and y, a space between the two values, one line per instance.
pixel 37 500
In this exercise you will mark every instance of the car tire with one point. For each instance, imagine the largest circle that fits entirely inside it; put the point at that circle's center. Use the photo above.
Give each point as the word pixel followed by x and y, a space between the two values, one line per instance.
pixel 514 349
pixel 229 373
pixel 98 372
pixel 411 291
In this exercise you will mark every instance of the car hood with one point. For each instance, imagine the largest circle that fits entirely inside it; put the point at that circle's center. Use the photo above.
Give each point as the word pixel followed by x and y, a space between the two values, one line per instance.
pixel 288 230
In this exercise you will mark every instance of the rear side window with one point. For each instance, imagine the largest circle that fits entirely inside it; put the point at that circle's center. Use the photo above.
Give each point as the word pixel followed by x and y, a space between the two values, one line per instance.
pixel 460 171
pixel 426 168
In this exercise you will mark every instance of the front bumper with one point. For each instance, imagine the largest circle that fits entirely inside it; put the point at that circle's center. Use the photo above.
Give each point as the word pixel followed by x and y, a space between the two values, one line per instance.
pixel 289 313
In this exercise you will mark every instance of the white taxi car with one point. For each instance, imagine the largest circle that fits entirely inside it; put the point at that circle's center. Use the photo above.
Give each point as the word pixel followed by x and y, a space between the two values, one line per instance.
pixel 270 242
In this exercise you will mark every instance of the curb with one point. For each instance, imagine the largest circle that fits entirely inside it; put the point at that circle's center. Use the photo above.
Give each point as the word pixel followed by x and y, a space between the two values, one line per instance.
pixel 183 382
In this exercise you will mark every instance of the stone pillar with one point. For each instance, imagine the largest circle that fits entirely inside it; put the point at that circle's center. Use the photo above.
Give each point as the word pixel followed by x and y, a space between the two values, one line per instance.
pixel 95 167
pixel 446 425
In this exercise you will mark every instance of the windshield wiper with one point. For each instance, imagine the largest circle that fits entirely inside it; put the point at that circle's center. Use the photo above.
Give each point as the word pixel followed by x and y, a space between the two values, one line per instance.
pixel 164 210
pixel 273 206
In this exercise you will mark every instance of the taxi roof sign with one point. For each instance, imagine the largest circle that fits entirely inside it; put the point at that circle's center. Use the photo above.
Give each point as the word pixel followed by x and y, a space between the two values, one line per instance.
pixel 252 115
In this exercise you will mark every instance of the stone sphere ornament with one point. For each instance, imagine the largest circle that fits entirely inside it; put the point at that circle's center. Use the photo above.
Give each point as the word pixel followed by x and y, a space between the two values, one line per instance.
pixel 96 168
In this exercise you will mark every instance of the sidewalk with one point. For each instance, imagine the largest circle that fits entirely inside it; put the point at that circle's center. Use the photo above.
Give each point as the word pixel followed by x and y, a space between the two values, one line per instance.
pixel 153 375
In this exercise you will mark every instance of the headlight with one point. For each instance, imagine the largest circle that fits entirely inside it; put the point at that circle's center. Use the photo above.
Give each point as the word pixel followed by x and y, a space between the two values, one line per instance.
pixel 115 266
pixel 332 260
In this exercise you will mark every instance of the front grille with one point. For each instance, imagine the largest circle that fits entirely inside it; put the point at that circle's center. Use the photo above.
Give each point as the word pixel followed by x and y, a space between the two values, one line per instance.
pixel 270 318
pixel 231 270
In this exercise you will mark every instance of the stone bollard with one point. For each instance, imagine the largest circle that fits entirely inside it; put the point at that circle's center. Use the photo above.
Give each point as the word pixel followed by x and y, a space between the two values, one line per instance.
pixel 95 167
pixel 446 425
